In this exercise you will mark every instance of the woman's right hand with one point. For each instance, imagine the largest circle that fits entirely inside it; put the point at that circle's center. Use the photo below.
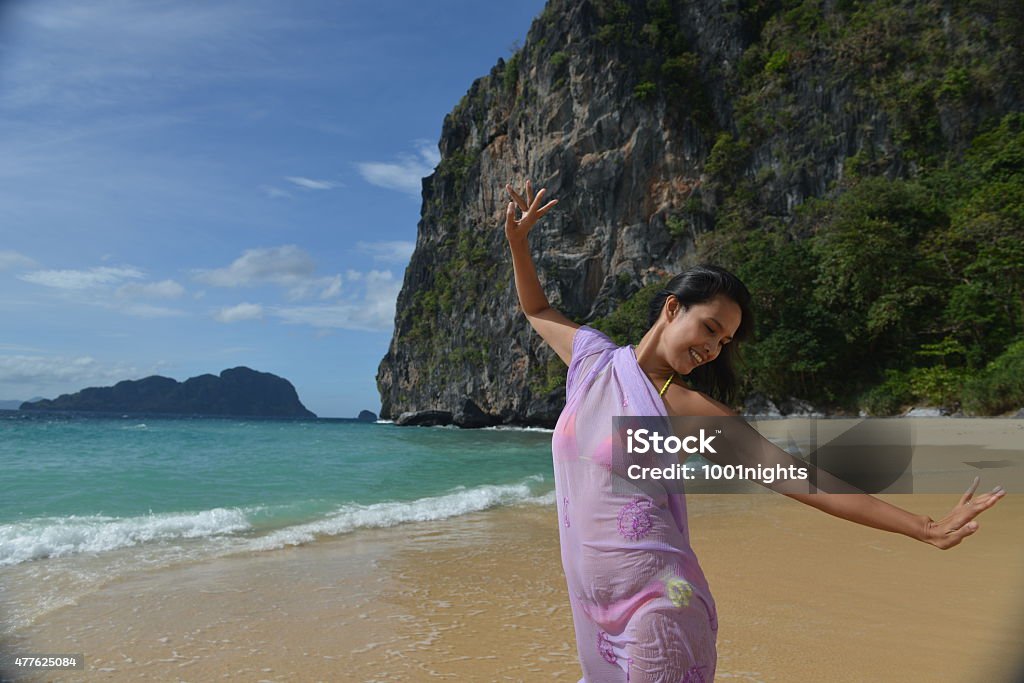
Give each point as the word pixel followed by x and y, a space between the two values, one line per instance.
pixel 531 210
pixel 959 524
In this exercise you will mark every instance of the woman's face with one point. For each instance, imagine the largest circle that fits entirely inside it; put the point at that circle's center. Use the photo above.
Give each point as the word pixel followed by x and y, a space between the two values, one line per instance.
pixel 696 336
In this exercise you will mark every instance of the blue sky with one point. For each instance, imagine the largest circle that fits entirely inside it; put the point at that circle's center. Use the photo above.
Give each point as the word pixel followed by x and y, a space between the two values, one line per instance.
pixel 191 186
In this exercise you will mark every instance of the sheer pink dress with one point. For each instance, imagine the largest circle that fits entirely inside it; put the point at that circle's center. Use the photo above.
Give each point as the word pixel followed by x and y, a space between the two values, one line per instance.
pixel 641 606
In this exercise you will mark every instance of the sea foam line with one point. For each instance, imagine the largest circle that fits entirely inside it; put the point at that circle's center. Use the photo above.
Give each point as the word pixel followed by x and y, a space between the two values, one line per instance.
pixel 377 515
pixel 61 536
pixel 52 537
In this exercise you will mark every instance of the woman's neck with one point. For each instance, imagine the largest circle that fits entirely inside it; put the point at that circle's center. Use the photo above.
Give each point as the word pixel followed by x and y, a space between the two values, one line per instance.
pixel 656 369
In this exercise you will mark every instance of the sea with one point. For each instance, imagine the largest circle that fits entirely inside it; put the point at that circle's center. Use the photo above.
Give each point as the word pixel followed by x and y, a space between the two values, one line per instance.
pixel 86 499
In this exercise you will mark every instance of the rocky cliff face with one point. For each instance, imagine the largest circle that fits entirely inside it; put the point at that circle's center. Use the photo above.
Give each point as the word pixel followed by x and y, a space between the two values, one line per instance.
pixel 640 117
pixel 239 392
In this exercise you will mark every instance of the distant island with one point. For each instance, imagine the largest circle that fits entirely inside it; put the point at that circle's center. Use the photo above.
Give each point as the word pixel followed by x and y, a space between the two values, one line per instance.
pixel 238 392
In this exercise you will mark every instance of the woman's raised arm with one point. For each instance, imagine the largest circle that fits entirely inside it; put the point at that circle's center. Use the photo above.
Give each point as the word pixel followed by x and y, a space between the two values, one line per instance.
pixel 552 326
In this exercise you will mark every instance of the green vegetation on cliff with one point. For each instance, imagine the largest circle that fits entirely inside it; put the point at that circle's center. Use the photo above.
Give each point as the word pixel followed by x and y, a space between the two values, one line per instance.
pixel 904 282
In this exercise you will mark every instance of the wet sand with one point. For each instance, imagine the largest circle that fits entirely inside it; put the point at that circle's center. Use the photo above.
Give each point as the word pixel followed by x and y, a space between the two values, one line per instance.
pixel 801 596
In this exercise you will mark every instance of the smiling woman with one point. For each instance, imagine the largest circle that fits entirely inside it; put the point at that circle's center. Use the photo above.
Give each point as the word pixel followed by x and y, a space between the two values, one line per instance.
pixel 641 605
pixel 708 308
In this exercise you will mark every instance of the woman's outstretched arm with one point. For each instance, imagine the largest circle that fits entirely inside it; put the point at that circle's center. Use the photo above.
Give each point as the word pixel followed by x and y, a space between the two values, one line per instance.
pixel 843 500
pixel 874 512
pixel 552 326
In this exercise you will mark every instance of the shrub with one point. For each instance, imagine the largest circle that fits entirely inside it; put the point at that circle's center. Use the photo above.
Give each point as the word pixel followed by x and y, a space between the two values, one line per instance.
pixel 778 61
pixel 627 324
pixel 558 59
pixel 889 397
pixel 1000 386
pixel 644 91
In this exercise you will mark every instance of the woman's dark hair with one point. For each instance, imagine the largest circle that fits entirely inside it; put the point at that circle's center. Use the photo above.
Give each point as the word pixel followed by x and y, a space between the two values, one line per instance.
pixel 698 285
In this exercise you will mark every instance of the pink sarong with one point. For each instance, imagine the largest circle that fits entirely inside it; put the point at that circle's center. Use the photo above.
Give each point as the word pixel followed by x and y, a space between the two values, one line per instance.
pixel 641 606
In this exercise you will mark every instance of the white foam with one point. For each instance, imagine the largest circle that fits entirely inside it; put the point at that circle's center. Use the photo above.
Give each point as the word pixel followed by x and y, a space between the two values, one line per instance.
pixel 60 536
pixel 54 537
pixel 459 502
pixel 507 428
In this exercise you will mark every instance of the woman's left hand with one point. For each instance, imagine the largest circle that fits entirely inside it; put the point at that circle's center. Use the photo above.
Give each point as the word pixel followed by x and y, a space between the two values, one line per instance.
pixel 531 208
pixel 959 524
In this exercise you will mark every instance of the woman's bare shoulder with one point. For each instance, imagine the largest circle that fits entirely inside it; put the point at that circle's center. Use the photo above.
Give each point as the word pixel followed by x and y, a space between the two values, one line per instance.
pixel 691 403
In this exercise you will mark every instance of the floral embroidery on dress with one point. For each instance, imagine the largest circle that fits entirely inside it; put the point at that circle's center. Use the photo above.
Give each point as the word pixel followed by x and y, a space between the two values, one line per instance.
pixel 634 520
pixel 694 675
pixel 565 511
pixel 625 401
pixel 679 592
pixel 604 646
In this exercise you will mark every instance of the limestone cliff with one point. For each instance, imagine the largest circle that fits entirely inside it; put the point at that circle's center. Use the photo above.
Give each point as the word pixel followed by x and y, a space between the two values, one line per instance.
pixel 640 117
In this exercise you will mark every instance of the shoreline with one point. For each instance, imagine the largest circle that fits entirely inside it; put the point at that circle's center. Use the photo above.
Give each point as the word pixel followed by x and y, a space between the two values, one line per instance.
pixel 801 597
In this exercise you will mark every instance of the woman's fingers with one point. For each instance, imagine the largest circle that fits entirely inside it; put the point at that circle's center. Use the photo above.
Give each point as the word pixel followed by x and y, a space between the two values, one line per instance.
pixel 535 202
pixel 954 537
pixel 520 202
pixel 961 523
pixel 544 209
pixel 510 217
pixel 530 205
pixel 970 491
pixel 975 507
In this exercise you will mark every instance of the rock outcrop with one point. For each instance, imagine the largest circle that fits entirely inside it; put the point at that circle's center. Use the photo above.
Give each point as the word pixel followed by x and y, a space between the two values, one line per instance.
pixel 627 112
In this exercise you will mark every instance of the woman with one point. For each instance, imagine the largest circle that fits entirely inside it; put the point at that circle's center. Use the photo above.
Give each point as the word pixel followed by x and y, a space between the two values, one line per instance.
pixel 640 602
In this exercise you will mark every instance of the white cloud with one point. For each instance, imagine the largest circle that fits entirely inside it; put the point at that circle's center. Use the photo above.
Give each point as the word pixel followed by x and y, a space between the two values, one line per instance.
pixel 45 370
pixel 406 174
pixel 333 289
pixel 388 252
pixel 150 311
pixel 112 53
pixel 95 287
pixel 275 192
pixel 165 289
pixel 234 314
pixel 19 347
pixel 286 266
pixel 11 260
pixel 81 279
pixel 374 312
pixel 310 184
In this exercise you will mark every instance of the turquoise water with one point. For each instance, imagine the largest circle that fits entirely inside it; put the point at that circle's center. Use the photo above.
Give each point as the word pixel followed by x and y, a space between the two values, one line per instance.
pixel 87 485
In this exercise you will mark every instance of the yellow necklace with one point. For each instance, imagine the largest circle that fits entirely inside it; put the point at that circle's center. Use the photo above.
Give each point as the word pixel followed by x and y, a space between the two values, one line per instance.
pixel 667 382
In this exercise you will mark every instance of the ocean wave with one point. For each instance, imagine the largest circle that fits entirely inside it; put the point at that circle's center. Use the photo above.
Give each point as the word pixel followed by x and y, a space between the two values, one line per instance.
pixel 460 501
pixel 60 536
pixel 508 428
pixel 54 537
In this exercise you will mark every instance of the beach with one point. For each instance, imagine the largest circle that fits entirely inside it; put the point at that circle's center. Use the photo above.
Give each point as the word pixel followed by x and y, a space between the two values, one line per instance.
pixel 801 596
